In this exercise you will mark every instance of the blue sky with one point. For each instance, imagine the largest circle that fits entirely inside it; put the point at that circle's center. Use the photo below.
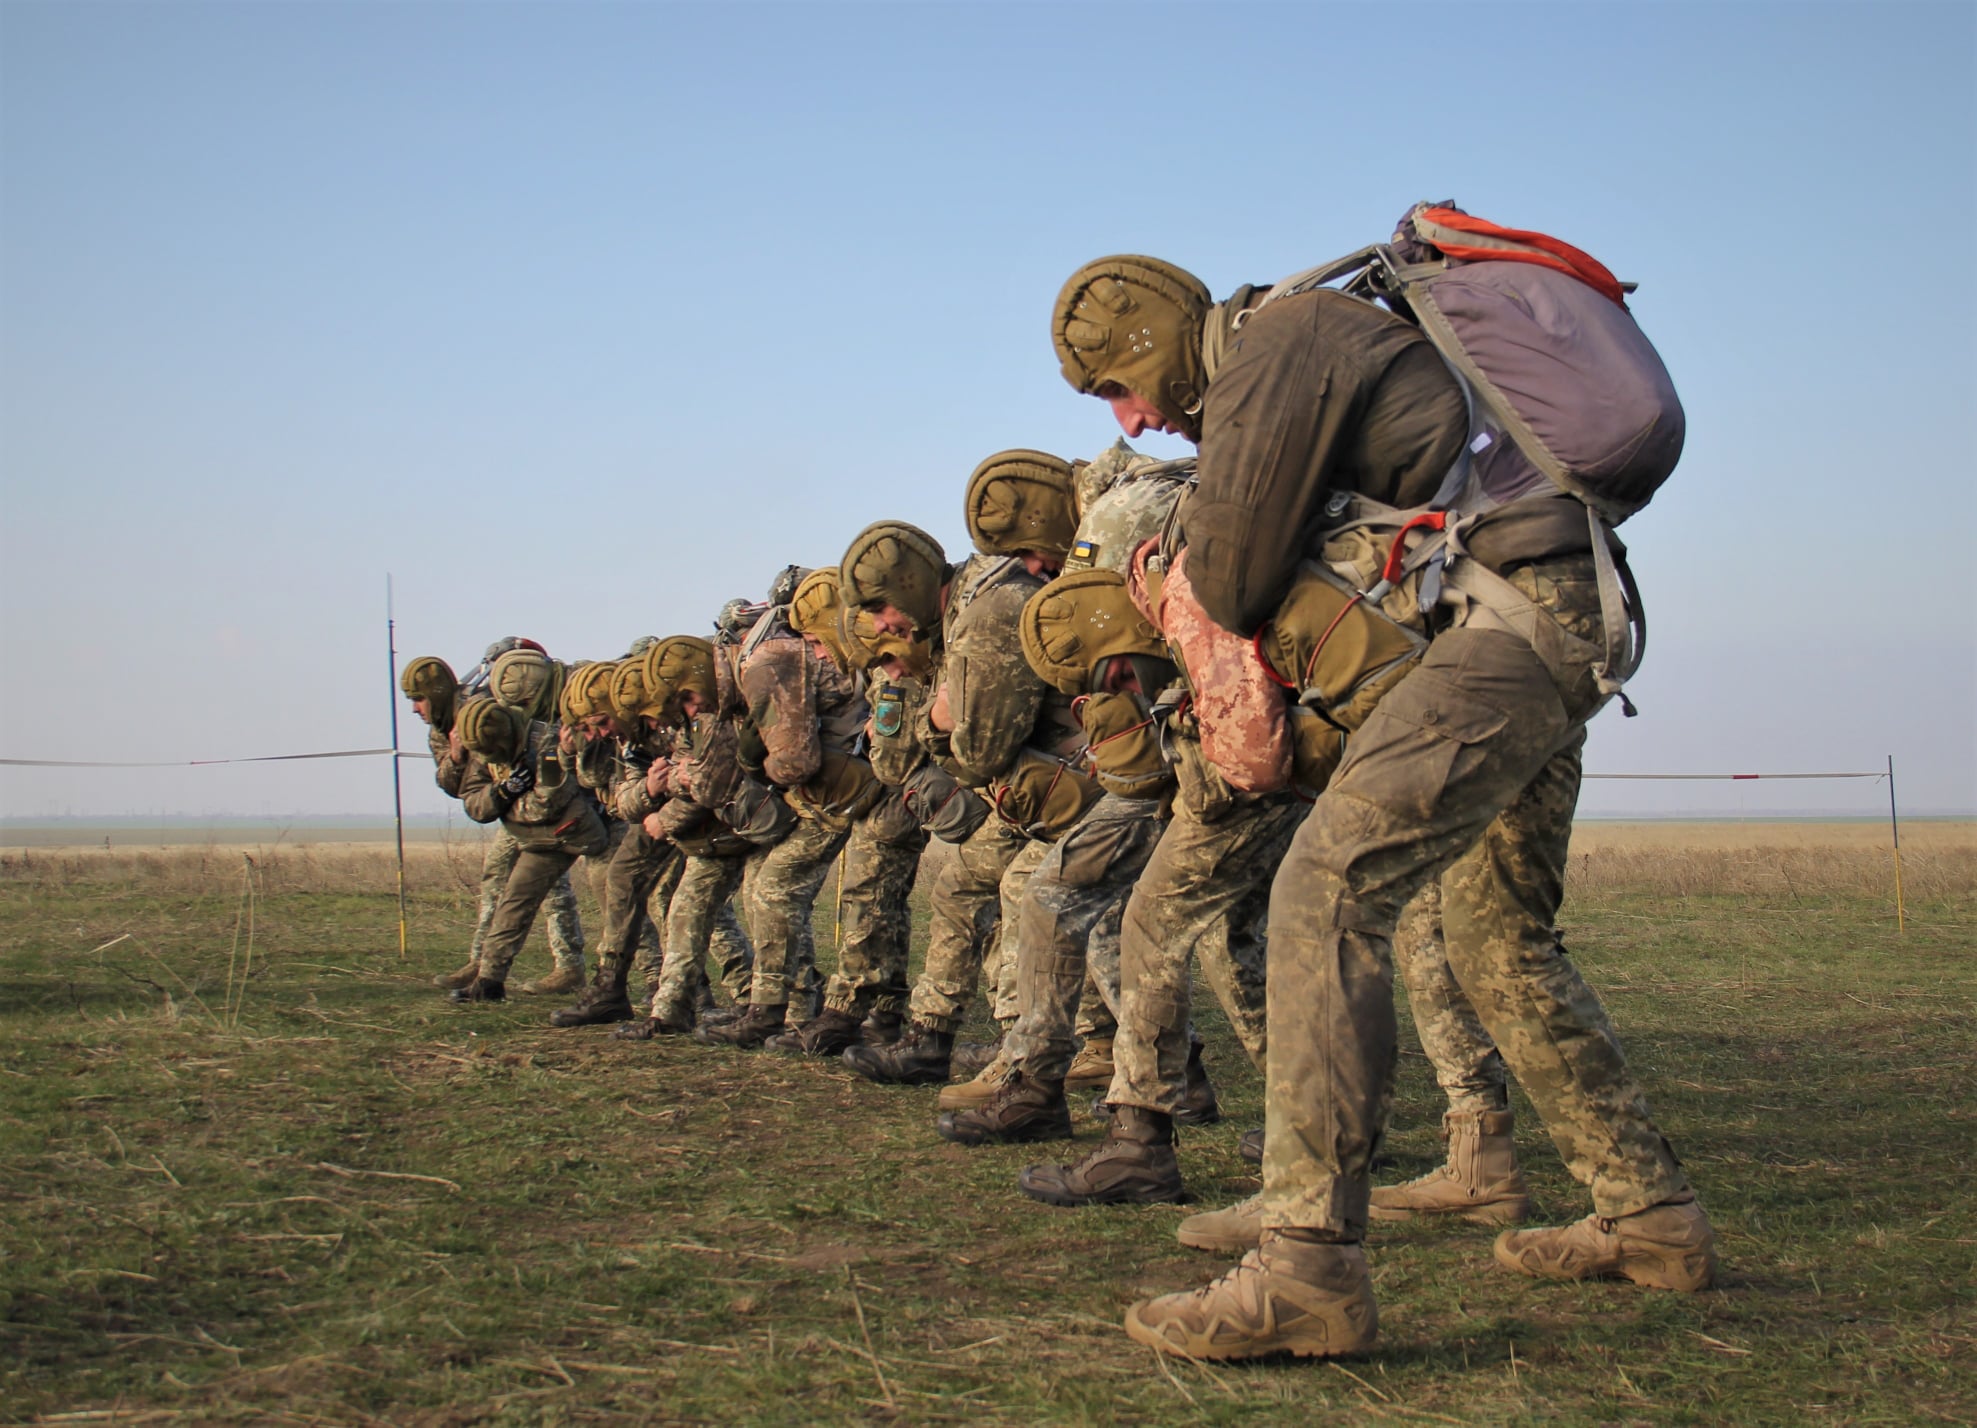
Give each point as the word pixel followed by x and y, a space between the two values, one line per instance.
pixel 578 319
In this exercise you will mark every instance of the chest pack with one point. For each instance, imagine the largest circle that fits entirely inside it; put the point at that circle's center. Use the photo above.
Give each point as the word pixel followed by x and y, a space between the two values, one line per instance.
pixel 1563 388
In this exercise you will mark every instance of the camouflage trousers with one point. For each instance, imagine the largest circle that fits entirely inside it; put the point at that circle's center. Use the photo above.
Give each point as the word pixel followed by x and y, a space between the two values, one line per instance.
pixel 1467 771
pixel 634 869
pixel 1203 894
pixel 565 929
pixel 781 893
pixel 1070 925
pixel 531 879
pixel 874 918
pixel 1468 1067
pixel 966 907
pixel 700 918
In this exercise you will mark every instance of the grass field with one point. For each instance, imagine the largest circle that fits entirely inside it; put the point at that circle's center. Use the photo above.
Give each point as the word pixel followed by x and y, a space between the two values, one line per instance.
pixel 255 1170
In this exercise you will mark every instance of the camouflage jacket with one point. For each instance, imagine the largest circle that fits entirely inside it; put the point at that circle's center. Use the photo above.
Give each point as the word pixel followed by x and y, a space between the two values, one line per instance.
pixel 631 800
pixel 447 771
pixel 554 814
pixel 793 705
pixel 996 702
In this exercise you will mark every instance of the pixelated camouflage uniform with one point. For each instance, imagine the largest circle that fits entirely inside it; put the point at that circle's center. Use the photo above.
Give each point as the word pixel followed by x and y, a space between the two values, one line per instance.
pixel 699 916
pixel 1069 925
pixel 550 827
pixel 874 912
pixel 633 864
pixel 795 705
pixel 998 706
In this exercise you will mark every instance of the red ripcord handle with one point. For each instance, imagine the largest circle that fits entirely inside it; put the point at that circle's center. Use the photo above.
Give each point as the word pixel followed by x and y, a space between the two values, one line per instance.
pixel 1397 552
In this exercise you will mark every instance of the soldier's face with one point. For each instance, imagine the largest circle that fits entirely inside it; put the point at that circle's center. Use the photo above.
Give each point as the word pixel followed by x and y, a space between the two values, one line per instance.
pixel 1038 563
pixel 423 708
pixel 890 620
pixel 1134 413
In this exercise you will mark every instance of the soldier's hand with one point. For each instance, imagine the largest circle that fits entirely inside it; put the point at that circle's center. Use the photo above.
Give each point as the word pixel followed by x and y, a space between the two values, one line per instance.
pixel 455 750
pixel 566 738
pixel 520 781
pixel 655 829
pixel 658 779
pixel 937 712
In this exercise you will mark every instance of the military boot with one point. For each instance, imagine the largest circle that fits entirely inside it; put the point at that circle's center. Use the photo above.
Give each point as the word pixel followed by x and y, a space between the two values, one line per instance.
pixel 563 979
pixel 458 978
pixel 919 1058
pixel 749 1031
pixel 1091 1068
pixel 1198 1105
pixel 1480 1182
pixel 479 990
pixel 1288 1296
pixel 971 1056
pixel 826 1034
pixel 1250 1146
pixel 1021 1110
pixel 1133 1165
pixel 881 1028
pixel 974 1094
pixel 1228 1231
pixel 645 1028
pixel 1666 1246
pixel 603 1001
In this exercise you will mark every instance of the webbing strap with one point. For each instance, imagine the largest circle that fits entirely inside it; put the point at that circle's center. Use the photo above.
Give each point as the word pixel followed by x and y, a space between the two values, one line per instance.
pixel 1479 590
pixel 1621 616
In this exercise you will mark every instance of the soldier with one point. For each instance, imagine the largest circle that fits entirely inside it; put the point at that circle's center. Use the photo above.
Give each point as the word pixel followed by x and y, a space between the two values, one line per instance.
pixel 672 695
pixel 1467 770
pixel 800 720
pixel 518 777
pixel 1069 921
pixel 980 720
pixel 609 750
pixel 433 688
pixel 863 999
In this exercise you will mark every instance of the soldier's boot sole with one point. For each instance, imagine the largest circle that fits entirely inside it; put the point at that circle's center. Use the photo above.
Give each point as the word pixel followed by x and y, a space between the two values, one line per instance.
pixel 962 1128
pixel 1514 1210
pixel 885 1065
pixel 1117 1173
pixel 598 1013
pixel 458 978
pixel 1306 1306
pixel 1234 1229
pixel 1665 1246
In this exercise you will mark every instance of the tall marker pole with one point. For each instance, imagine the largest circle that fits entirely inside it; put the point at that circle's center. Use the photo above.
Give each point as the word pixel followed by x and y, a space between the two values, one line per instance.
pixel 397 789
pixel 1901 912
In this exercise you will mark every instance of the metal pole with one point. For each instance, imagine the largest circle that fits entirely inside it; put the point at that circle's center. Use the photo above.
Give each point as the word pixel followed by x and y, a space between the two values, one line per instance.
pixel 397 788
pixel 1901 911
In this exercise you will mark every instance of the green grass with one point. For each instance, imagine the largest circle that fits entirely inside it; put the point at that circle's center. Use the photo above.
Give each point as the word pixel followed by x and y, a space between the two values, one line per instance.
pixel 334 1198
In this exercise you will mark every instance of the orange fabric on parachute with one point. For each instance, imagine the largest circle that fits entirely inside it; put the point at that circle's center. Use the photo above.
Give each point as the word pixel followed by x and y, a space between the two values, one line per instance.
pixel 1556 252
pixel 1245 723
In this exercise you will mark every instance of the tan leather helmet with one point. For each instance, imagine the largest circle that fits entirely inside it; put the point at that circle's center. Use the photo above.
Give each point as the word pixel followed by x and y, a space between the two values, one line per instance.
pixel 899 564
pixel 1080 620
pixel 497 732
pixel 1022 500
pixel 1136 321
pixel 679 664
pixel 432 679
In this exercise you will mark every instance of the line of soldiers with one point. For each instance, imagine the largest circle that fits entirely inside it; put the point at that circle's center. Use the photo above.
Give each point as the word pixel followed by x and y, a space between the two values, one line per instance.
pixel 1165 714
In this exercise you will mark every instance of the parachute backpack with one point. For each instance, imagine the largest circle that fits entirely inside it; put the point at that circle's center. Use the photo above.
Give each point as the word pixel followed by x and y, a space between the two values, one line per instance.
pixel 1562 386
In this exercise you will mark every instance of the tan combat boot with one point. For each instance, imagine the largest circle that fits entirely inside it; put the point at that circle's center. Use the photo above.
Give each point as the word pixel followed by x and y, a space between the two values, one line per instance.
pixel 971 1095
pixel 563 979
pixel 1666 1246
pixel 458 978
pixel 1288 1296
pixel 1091 1068
pixel 1230 1231
pixel 1479 1183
